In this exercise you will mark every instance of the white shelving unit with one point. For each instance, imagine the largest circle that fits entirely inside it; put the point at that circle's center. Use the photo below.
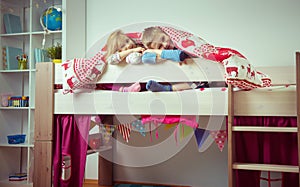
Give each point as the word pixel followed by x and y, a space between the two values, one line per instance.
pixel 19 158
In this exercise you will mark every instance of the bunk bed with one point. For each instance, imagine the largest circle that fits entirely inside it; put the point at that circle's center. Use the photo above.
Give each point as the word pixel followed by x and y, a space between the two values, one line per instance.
pixel 278 100
pixel 55 103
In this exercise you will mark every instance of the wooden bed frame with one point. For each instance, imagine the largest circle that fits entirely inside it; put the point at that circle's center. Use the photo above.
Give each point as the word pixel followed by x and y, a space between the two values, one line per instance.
pixel 49 102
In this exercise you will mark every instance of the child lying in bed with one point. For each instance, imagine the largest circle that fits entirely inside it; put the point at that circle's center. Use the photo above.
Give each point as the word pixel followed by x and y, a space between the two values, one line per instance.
pixel 158 42
pixel 121 47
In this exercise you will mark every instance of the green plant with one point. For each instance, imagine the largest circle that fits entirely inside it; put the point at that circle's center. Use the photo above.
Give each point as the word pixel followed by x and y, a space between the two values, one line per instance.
pixel 54 52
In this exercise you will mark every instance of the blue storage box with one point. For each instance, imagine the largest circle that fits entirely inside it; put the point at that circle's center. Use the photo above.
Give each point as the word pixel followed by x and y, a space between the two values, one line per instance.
pixel 16 139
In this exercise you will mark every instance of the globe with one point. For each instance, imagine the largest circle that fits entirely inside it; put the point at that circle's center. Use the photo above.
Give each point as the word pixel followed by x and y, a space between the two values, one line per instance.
pixel 51 19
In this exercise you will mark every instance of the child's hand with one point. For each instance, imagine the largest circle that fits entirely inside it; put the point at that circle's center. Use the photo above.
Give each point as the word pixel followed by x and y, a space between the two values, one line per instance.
pixel 138 49
pixel 184 62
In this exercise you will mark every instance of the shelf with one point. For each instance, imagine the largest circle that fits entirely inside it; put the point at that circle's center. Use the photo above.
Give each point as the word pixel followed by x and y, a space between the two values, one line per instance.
pixel 48 32
pixel 266 167
pixel 15 34
pixel 264 129
pixel 18 82
pixel 15 108
pixel 7 183
pixel 15 145
pixel 15 71
pixel 101 149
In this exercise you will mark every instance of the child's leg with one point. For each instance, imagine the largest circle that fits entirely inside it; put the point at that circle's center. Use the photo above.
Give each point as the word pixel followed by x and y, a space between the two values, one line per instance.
pixel 136 87
pixel 157 87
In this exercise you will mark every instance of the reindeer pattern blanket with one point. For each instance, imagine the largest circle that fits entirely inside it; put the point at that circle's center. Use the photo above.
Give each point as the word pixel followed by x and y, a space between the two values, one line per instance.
pixel 81 73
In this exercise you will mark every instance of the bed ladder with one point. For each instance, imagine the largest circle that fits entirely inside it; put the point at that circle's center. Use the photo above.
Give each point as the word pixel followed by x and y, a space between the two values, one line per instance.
pixel 232 165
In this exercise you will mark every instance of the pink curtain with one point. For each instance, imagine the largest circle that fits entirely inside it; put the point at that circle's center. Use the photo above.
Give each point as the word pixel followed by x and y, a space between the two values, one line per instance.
pixel 268 148
pixel 70 148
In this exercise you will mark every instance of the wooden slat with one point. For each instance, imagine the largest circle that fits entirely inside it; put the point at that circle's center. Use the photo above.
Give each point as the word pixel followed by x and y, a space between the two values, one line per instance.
pixel 189 102
pixel 43 125
pixel 298 103
pixel 280 75
pixel 266 167
pixel 264 129
pixel 42 164
pixel 196 69
pixel 248 103
pixel 230 138
pixel 280 102
pixel 44 102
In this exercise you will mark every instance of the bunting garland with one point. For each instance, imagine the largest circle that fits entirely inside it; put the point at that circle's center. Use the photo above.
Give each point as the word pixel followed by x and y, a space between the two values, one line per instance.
pixel 220 137
pixel 185 131
pixel 106 131
pixel 201 135
pixel 125 130
pixel 137 125
pixel 169 126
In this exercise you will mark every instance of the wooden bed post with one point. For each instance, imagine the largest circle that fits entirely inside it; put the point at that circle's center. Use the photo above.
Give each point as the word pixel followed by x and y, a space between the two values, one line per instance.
pixel 105 167
pixel 43 132
pixel 105 172
pixel 230 135
pixel 298 103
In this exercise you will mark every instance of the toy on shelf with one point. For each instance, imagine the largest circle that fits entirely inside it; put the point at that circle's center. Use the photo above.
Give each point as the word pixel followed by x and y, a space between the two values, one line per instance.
pixel 22 59
pixel 16 138
pixel 4 98
pixel 18 101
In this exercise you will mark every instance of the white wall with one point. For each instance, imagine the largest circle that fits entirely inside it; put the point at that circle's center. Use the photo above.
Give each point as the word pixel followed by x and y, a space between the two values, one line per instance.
pixel 267 32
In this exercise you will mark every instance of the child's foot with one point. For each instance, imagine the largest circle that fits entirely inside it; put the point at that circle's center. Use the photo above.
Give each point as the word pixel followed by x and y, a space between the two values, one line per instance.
pixel 136 87
pixel 157 87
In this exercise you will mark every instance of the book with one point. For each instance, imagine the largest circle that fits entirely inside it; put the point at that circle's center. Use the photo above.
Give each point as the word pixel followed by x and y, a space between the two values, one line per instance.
pixel 4 61
pixel 12 23
pixel 18 177
pixel 11 57
pixel 40 55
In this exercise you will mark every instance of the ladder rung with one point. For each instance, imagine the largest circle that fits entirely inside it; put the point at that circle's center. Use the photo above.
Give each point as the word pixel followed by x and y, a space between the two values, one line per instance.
pixel 264 129
pixel 266 167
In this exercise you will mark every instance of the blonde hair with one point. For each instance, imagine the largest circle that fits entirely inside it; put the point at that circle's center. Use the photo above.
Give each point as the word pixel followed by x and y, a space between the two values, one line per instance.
pixel 115 42
pixel 148 35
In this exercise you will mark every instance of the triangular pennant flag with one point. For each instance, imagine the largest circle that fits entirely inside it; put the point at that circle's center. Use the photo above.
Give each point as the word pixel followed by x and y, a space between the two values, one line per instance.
pixel 201 135
pixel 137 125
pixel 169 126
pixel 220 137
pixel 107 131
pixel 110 129
pixel 125 131
pixel 185 131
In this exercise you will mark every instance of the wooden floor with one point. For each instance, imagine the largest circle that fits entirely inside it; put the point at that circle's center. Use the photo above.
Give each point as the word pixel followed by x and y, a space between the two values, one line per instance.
pixel 94 183
pixel 90 185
